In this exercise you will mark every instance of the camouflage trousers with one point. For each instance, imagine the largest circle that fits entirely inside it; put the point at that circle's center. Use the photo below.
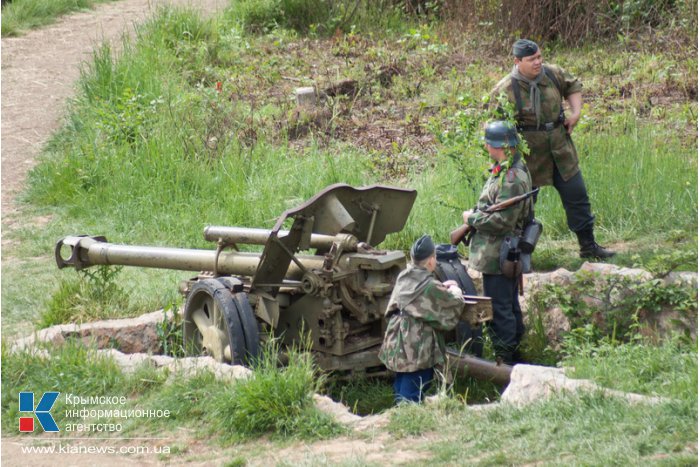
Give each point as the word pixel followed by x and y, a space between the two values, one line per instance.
pixel 574 198
pixel 507 328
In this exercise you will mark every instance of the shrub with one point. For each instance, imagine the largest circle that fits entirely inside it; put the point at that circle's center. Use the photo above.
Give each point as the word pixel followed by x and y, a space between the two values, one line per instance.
pixel 93 294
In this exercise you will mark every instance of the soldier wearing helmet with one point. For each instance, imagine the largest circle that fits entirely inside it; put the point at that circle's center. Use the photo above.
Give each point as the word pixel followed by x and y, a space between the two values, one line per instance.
pixel 537 89
pixel 509 178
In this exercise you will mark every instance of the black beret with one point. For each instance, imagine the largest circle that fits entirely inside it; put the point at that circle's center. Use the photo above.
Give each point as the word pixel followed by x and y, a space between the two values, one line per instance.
pixel 524 48
pixel 423 248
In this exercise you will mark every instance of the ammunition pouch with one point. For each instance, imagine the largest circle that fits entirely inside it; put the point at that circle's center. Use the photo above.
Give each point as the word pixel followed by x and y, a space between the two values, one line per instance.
pixel 509 258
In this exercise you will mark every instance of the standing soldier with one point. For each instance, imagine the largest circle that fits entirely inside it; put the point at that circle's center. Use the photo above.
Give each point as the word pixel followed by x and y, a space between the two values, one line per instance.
pixel 496 237
pixel 419 308
pixel 537 91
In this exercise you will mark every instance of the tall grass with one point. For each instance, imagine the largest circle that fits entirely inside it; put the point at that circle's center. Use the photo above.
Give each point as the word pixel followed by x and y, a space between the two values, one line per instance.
pixel 21 15
pixel 640 180
pixel 318 16
pixel 275 400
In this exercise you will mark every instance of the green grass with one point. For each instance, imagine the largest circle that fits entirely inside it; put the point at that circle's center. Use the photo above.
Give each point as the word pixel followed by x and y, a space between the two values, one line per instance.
pixel 363 396
pixel 21 15
pixel 273 401
pixel 152 152
pixel 669 369
pixel 580 429
pixel 73 369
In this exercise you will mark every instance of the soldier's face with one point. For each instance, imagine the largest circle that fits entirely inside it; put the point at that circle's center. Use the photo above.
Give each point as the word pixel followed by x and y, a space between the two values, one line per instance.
pixel 530 66
pixel 431 264
pixel 497 154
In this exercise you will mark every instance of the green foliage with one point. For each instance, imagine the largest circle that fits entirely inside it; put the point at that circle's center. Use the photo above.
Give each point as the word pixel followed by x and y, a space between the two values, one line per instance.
pixel 91 295
pixel 69 368
pixel 20 15
pixel 669 369
pixel 316 17
pixel 364 396
pixel 609 307
pixel 275 400
pixel 169 332
pixel 535 347
pixel 663 263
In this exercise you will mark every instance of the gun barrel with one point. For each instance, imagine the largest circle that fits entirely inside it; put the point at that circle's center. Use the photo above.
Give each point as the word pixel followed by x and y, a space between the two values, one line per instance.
pixel 251 236
pixel 88 251
pixel 479 368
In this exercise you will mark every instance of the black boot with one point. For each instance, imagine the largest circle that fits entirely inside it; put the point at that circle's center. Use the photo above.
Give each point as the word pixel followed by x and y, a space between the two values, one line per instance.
pixel 589 247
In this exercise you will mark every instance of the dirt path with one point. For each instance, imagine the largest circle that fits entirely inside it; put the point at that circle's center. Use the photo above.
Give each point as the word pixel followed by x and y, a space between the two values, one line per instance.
pixel 39 71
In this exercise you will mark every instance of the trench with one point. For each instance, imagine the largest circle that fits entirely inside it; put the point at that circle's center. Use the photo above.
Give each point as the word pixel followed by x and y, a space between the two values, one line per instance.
pixel 358 402
pixel 133 341
pixel 136 340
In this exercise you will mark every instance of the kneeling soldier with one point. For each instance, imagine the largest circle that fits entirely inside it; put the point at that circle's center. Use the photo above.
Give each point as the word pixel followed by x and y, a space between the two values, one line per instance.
pixel 494 232
pixel 420 306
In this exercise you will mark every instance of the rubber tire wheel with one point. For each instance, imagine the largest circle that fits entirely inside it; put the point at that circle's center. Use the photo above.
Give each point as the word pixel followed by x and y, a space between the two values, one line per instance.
pixel 204 294
pixel 249 325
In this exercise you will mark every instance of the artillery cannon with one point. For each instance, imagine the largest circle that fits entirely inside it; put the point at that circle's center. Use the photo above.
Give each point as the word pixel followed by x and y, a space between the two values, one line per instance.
pixel 337 294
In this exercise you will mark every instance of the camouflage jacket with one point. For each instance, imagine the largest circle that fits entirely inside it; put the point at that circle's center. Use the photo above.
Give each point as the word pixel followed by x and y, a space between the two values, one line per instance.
pixel 419 308
pixel 491 229
pixel 547 148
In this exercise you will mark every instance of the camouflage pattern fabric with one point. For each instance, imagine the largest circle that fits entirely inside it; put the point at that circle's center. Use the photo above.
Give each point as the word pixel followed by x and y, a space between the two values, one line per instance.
pixel 491 229
pixel 413 340
pixel 546 147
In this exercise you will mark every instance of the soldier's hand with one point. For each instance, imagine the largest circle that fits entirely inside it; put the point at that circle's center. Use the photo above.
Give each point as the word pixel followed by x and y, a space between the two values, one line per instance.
pixel 466 214
pixel 455 291
pixel 449 283
pixel 571 122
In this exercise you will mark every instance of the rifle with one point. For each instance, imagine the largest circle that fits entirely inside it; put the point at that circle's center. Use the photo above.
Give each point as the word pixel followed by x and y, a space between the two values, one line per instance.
pixel 460 233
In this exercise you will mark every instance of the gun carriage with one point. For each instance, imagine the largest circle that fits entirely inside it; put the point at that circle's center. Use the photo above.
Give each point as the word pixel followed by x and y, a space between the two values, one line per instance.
pixel 336 291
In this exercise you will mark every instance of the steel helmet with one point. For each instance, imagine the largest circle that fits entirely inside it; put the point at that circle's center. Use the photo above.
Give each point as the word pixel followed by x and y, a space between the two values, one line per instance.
pixel 501 133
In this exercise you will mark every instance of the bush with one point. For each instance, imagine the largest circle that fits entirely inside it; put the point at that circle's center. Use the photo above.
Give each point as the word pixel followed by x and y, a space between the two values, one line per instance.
pixel 92 295
pixel 572 21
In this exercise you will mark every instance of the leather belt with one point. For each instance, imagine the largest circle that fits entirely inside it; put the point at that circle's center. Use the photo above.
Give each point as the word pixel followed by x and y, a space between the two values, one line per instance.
pixel 549 126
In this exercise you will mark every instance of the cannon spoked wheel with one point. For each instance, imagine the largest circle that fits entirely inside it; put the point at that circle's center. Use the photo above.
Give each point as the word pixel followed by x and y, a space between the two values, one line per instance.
pixel 213 324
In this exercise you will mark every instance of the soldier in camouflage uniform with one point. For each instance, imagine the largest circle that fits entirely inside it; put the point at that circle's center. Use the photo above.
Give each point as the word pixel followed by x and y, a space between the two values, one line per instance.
pixel 419 308
pixel 537 91
pixel 509 178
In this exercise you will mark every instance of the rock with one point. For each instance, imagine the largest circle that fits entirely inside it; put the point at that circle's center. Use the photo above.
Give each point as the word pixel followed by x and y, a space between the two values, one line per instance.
pixel 341 414
pixel 130 335
pixel 531 383
pixel 684 279
pixel 339 411
pixel 556 324
pixel 306 96
pixel 611 269
pixel 179 367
